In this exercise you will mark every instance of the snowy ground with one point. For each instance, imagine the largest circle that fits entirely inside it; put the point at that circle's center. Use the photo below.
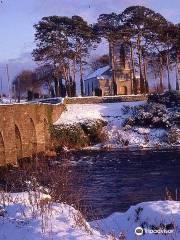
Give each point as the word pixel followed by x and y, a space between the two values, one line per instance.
pixel 113 114
pixel 4 101
pixel 160 216
pixel 33 217
pixel 109 111
pixel 30 216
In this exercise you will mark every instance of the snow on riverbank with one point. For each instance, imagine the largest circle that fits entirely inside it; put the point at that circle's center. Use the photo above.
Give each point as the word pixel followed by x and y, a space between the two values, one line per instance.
pixel 109 111
pixel 162 217
pixel 32 216
pixel 115 115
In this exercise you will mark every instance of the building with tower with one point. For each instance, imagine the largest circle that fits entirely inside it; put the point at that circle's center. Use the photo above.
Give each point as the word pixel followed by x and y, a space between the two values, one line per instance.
pixel 114 79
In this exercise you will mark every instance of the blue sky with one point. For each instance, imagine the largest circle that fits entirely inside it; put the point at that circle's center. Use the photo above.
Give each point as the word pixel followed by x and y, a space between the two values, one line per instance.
pixel 18 16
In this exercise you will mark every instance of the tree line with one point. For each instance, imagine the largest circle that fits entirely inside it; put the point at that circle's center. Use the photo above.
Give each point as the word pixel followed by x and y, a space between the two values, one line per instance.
pixel 152 43
pixel 30 82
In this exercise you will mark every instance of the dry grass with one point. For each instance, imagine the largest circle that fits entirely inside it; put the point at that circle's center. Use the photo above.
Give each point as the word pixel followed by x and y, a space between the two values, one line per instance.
pixel 41 175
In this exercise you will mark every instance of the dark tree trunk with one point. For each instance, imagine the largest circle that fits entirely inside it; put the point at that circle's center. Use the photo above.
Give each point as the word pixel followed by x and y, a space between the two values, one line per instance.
pixel 74 70
pixel 114 86
pixel 56 87
pixel 145 77
pixel 142 87
pixel 168 72
pixel 161 76
pixel 155 77
pixel 60 85
pixel 177 75
pixel 81 78
pixel 19 90
pixel 134 80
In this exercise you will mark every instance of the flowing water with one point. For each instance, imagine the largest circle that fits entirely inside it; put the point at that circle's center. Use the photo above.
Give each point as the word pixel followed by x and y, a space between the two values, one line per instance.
pixel 114 180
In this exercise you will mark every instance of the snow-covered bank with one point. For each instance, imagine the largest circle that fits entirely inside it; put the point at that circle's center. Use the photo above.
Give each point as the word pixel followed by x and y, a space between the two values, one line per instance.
pixel 109 111
pixel 33 216
pixel 162 217
pixel 115 114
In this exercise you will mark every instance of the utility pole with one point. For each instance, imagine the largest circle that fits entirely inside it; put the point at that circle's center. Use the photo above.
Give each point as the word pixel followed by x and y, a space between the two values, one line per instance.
pixel 19 91
pixel 9 85
pixel 1 90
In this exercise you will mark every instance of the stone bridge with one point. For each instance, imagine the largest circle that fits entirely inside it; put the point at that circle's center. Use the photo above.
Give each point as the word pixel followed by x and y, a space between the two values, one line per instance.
pixel 24 130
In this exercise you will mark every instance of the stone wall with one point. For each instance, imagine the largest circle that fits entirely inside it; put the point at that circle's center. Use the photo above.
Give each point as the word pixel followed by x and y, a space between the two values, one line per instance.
pixel 24 129
pixel 109 99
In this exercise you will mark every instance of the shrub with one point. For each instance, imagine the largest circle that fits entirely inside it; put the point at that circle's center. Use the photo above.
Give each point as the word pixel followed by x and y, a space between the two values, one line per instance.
pixel 94 130
pixel 168 98
pixel 78 135
pixel 70 135
pixel 150 115
pixel 174 135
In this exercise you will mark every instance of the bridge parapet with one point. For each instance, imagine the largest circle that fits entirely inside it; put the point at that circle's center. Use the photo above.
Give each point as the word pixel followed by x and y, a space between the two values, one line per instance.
pixel 105 99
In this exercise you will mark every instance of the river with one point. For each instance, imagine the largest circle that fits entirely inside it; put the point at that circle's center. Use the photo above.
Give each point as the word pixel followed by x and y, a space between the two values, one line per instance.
pixel 114 180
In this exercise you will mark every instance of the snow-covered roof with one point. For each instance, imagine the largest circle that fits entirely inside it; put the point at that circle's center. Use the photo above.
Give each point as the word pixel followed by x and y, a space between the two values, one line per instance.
pixel 98 72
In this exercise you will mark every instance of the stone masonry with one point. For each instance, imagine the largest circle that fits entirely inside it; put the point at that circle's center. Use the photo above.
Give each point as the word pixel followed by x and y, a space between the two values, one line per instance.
pixel 24 130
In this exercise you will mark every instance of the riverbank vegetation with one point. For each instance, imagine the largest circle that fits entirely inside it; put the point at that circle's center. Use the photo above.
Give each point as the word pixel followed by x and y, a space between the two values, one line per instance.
pixel 79 134
pixel 160 113
pixel 146 124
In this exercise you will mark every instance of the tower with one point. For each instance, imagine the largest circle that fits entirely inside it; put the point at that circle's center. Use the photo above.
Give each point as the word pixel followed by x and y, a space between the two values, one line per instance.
pixel 122 68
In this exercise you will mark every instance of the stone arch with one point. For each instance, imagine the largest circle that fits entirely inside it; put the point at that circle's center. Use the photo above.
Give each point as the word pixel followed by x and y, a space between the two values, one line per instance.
pixel 32 136
pixel 46 134
pixel 124 90
pixel 2 151
pixel 18 142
